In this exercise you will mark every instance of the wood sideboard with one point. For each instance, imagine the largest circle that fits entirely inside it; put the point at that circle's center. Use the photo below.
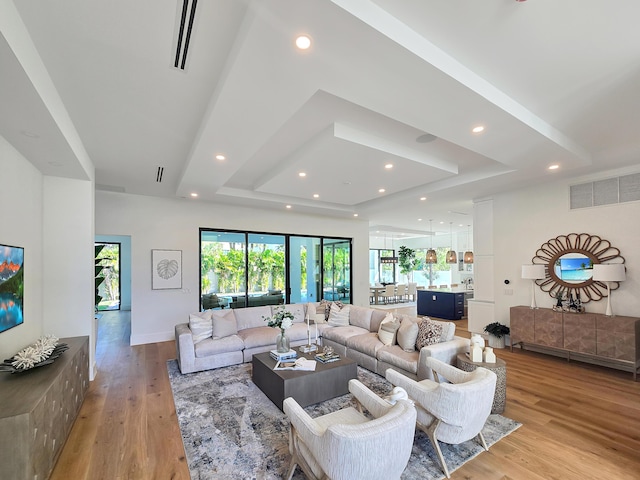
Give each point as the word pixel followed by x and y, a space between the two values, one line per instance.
pixel 589 337
pixel 37 411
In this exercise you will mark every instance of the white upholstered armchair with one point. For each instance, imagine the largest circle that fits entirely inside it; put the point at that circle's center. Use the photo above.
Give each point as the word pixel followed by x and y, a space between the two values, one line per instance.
pixel 347 445
pixel 450 412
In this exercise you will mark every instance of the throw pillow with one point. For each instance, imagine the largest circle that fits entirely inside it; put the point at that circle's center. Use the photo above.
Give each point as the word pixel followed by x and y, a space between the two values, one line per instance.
pixel 324 307
pixel 338 317
pixel 429 333
pixel 388 329
pixel 407 335
pixel 200 325
pixel 224 323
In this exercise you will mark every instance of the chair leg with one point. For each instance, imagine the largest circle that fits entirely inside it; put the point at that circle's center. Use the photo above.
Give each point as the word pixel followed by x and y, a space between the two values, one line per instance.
pixel 431 433
pixel 292 468
pixel 482 442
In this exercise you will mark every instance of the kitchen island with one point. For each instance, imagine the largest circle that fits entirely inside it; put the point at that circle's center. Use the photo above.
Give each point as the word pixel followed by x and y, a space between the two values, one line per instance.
pixel 447 303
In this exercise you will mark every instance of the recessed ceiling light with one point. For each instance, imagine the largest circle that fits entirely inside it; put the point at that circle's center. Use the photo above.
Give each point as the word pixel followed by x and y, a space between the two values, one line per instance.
pixel 194 194
pixel 423 198
pixel 381 190
pixel 288 206
pixel 302 174
pixel 554 167
pixel 478 129
pixel 389 166
pixel 315 195
pixel 220 157
pixel 441 223
pixel 303 42
pixel 426 138
pixel 419 219
pixel 355 214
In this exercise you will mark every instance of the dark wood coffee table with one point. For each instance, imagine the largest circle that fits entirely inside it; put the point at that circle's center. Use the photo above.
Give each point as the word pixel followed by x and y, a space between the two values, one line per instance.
pixel 329 380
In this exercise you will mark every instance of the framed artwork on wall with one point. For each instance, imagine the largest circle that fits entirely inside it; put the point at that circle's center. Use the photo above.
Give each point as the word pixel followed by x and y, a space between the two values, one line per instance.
pixel 11 286
pixel 166 269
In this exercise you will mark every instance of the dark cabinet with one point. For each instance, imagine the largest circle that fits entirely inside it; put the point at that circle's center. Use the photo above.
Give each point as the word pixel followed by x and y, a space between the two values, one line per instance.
pixel 441 304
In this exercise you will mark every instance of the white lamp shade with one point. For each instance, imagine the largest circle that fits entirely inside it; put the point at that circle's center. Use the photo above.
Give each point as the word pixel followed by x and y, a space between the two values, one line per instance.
pixel 533 272
pixel 609 272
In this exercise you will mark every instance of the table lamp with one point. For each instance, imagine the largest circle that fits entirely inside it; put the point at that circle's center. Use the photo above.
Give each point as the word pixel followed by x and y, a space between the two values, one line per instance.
pixel 533 273
pixel 609 272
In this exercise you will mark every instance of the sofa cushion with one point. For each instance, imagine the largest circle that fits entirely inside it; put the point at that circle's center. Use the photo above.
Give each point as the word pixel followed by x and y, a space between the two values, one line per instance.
pixel 407 334
pixel 224 323
pixel 339 317
pixel 258 336
pixel 388 329
pixel 341 334
pixel 394 355
pixel 210 346
pixel 376 318
pixel 252 317
pixel 200 325
pixel 367 343
pixel 360 317
pixel 429 333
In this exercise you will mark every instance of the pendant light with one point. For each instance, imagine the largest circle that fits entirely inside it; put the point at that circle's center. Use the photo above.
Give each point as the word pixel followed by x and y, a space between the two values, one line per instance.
pixel 451 254
pixel 468 255
pixel 392 259
pixel 431 256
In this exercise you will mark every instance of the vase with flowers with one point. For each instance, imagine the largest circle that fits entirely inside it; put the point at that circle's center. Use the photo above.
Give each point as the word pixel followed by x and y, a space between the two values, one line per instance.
pixel 282 319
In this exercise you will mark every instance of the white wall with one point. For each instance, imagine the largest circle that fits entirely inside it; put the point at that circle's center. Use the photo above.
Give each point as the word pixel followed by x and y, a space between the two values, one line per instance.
pixel 52 218
pixel 21 226
pixel 161 223
pixel 526 219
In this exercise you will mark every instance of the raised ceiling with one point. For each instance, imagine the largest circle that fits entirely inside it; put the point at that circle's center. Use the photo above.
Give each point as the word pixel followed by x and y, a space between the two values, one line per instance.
pixel 88 82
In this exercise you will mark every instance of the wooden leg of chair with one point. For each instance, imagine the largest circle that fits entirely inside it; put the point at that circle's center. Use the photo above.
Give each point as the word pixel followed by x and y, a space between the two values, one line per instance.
pixel 431 432
pixel 482 442
pixel 292 468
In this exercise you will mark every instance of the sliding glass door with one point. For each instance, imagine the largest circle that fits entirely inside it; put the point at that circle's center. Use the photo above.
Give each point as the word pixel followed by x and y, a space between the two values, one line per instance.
pixel 239 269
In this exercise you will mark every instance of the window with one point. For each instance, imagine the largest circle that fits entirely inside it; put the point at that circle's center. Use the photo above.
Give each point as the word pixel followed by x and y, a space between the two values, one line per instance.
pixel 240 269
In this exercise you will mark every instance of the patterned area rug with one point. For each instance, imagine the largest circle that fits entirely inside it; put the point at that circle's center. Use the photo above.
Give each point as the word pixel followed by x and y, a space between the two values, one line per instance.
pixel 231 430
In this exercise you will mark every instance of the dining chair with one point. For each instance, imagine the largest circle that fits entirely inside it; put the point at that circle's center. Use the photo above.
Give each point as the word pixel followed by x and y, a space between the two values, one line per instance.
pixel 389 293
pixel 401 293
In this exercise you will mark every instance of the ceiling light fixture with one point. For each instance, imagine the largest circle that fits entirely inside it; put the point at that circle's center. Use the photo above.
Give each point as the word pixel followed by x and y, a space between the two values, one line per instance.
pixel 355 214
pixel 389 166
pixel 478 129
pixel 431 256
pixel 288 206
pixel 451 254
pixel 391 259
pixel 381 190
pixel 302 174
pixel 468 255
pixel 554 167
pixel 220 157
pixel 315 195
pixel 194 194
pixel 303 42
pixel 422 199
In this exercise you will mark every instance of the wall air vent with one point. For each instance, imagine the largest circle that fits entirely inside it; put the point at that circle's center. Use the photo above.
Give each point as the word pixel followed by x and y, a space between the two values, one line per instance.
pixel 186 18
pixel 159 174
pixel 605 192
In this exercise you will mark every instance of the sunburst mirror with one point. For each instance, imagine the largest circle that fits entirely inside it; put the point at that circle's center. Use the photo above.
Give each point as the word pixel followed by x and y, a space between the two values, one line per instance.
pixel 569 260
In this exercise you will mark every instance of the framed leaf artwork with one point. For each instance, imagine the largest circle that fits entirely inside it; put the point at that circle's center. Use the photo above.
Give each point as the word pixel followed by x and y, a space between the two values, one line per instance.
pixel 166 269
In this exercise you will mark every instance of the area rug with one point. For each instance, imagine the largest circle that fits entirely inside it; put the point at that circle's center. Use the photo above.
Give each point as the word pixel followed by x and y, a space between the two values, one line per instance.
pixel 231 430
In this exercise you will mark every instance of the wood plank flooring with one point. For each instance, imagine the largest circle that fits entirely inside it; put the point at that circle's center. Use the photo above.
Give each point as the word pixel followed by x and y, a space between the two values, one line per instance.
pixel 579 421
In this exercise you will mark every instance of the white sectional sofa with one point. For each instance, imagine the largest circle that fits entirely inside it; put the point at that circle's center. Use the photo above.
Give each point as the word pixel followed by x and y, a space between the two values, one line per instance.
pixel 234 336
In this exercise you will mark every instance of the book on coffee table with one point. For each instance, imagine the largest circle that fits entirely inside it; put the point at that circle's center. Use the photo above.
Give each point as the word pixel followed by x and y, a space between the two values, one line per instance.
pixel 321 357
pixel 290 355
pixel 302 364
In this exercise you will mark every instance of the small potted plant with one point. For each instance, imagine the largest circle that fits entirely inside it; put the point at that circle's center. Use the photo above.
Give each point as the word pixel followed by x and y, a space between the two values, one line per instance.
pixel 282 319
pixel 496 332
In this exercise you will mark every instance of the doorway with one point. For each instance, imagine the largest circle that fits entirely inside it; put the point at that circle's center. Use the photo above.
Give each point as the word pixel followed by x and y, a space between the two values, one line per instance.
pixel 110 289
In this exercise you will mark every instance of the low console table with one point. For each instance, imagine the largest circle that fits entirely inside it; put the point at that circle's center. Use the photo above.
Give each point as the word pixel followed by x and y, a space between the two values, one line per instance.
pixel 589 337
pixel 38 408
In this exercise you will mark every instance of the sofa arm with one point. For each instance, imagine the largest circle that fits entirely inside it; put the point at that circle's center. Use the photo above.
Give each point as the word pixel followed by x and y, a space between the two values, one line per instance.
pixel 185 350
pixel 445 352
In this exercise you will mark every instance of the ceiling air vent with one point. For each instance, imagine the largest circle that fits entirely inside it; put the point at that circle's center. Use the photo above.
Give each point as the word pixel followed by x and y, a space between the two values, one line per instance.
pixel 605 192
pixel 185 28
pixel 159 174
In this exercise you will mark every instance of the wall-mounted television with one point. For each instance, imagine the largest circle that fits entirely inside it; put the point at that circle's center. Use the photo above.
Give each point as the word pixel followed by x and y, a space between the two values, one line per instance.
pixel 574 268
pixel 11 286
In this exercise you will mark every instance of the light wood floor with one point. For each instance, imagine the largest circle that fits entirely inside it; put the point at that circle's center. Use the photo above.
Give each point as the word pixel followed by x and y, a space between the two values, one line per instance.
pixel 581 422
